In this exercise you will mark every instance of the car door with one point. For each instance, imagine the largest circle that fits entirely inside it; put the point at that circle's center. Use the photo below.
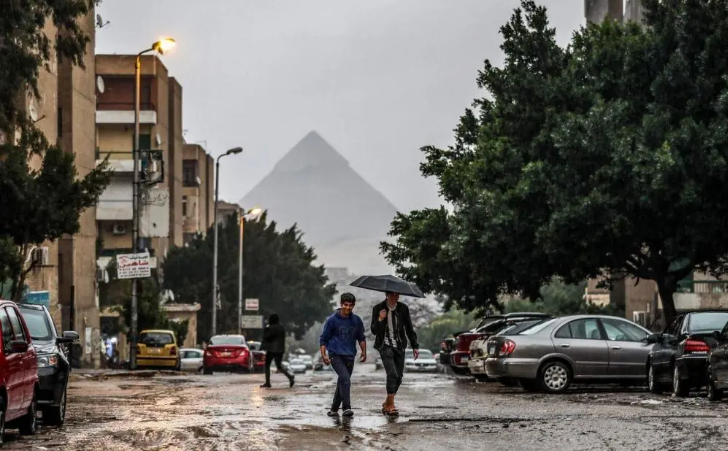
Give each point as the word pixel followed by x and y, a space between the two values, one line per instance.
pixel 668 349
pixel 29 371
pixel 581 340
pixel 719 359
pixel 15 372
pixel 628 348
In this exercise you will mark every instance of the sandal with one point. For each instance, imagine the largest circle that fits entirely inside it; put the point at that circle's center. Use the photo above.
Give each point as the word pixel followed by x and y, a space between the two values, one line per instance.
pixel 393 412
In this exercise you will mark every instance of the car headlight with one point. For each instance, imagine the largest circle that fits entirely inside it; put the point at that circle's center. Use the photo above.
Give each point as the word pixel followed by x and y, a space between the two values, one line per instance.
pixel 45 361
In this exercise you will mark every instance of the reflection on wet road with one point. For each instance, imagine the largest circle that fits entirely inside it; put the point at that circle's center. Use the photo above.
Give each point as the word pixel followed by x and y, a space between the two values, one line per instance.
pixel 231 412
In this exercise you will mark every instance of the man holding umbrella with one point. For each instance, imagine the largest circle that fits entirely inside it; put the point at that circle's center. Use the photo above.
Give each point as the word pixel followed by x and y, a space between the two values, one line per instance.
pixel 392 327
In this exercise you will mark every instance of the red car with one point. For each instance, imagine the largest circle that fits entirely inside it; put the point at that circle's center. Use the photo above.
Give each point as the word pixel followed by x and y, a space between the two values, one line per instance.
pixel 18 373
pixel 227 353
pixel 258 355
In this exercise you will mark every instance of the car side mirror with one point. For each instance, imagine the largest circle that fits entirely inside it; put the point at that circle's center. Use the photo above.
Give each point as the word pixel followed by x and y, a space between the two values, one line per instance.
pixel 69 336
pixel 18 347
pixel 653 338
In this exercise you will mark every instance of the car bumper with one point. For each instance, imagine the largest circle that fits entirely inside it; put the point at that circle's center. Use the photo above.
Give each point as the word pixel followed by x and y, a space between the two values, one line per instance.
pixel 695 369
pixel 477 366
pixel 511 368
pixel 51 383
pixel 460 359
pixel 220 363
pixel 164 362
pixel 430 368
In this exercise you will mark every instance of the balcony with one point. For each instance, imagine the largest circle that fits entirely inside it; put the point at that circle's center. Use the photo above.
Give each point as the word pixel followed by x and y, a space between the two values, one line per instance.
pixel 701 294
pixel 121 161
pixel 123 113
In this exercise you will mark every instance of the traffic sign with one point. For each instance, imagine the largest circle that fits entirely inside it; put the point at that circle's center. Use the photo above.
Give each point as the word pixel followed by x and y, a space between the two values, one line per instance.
pixel 251 322
pixel 252 304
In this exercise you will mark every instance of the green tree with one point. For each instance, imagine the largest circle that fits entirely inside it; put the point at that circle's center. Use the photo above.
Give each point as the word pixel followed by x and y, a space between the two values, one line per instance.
pixel 605 159
pixel 444 326
pixel 43 204
pixel 559 299
pixel 279 270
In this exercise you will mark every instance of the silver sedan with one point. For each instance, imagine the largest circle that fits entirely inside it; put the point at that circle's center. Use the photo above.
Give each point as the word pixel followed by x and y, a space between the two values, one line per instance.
pixel 587 348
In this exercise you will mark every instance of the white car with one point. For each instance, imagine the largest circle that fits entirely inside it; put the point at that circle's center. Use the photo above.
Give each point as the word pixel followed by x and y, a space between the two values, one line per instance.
pixel 308 360
pixel 426 362
pixel 191 359
pixel 297 366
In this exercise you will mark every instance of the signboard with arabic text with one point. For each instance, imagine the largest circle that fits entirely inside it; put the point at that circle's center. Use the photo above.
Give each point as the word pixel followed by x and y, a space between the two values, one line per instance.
pixel 133 266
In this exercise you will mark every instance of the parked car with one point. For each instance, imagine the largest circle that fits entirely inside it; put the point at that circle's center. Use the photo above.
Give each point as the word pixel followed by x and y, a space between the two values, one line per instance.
pixel 718 365
pixel 425 363
pixel 258 355
pixel 227 353
pixel 298 366
pixel 679 359
pixel 587 348
pixel 488 326
pixel 308 360
pixel 53 364
pixel 479 351
pixel 18 373
pixel 158 349
pixel 191 359
pixel 446 347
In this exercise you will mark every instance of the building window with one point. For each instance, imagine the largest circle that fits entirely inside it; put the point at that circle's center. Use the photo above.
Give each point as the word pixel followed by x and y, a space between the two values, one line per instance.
pixel 189 173
pixel 184 206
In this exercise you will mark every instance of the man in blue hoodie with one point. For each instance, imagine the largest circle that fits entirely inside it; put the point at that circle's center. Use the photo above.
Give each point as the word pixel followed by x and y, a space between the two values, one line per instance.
pixel 342 331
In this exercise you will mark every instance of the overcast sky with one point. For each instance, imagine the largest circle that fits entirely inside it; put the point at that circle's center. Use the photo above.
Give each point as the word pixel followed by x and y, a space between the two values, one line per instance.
pixel 378 79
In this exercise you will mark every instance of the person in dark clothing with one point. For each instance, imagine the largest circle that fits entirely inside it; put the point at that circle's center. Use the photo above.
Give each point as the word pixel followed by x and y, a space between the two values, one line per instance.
pixel 341 332
pixel 392 328
pixel 274 345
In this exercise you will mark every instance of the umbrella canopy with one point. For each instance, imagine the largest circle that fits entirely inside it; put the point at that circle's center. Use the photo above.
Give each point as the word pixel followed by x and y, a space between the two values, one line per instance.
pixel 388 283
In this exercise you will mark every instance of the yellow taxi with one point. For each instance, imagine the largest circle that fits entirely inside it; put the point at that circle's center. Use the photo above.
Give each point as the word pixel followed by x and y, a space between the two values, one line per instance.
pixel 158 348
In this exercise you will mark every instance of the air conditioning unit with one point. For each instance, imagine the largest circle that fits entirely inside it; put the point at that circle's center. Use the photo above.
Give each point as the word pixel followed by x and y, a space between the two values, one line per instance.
pixel 40 256
pixel 102 275
pixel 640 318
pixel 119 229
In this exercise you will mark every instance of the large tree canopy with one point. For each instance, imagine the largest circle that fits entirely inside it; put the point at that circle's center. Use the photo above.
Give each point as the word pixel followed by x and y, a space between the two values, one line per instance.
pixel 605 159
pixel 44 204
pixel 280 271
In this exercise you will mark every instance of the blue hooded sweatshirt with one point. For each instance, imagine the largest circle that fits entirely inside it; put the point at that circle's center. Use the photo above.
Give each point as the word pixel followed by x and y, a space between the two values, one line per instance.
pixel 341 334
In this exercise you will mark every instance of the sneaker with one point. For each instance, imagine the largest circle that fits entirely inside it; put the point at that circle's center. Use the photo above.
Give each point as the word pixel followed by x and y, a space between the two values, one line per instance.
pixel 348 413
pixel 333 413
pixel 266 385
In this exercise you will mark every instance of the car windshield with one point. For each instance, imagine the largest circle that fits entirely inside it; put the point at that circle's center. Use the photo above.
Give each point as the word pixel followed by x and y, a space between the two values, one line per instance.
pixel 296 362
pixel 38 324
pixel 708 321
pixel 520 327
pixel 229 340
pixel 425 354
pixel 538 327
pixel 156 339
pixel 306 358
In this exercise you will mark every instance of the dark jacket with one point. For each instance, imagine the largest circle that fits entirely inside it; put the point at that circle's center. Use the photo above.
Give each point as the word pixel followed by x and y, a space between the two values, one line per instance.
pixel 274 336
pixel 404 325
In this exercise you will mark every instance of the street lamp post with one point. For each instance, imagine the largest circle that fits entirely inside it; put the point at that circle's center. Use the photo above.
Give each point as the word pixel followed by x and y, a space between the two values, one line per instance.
pixel 160 46
pixel 253 212
pixel 233 151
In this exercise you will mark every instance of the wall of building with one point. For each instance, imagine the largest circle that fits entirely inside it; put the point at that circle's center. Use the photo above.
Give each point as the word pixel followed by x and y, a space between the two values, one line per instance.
pixel 596 11
pixel 176 156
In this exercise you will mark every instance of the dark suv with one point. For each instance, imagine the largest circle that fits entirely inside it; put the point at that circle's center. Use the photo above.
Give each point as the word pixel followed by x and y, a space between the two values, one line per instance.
pixel 679 358
pixel 53 365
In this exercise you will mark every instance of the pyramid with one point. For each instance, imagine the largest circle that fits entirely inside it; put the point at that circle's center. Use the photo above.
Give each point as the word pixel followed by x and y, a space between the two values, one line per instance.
pixel 339 212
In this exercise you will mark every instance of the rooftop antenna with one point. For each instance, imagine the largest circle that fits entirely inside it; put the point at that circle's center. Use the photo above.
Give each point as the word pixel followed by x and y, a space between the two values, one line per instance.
pixel 100 21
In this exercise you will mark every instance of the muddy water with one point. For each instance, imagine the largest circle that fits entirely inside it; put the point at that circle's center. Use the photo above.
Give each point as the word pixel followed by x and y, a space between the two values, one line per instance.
pixel 230 412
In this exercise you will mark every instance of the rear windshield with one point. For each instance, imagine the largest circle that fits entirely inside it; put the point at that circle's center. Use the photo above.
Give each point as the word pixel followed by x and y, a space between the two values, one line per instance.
pixel 539 327
pixel 156 339
pixel 521 327
pixel 232 340
pixel 708 321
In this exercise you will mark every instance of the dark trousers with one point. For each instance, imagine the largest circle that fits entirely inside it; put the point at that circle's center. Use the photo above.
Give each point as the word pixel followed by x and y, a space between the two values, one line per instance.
pixel 393 361
pixel 344 366
pixel 269 358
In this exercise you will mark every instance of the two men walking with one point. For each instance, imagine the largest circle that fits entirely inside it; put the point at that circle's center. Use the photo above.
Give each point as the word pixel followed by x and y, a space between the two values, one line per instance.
pixel 392 327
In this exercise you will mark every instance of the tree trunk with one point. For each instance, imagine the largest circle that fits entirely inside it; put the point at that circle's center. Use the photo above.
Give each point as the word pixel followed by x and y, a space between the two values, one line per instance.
pixel 666 291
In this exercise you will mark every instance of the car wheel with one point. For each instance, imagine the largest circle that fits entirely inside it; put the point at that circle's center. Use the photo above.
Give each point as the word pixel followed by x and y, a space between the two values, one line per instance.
pixel 713 393
pixel 28 424
pixel 679 387
pixel 56 415
pixel 530 385
pixel 555 377
pixel 652 383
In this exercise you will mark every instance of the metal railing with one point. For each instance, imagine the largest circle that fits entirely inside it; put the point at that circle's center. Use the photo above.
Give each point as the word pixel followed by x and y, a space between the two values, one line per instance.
pixel 124 106
pixel 703 286
pixel 154 154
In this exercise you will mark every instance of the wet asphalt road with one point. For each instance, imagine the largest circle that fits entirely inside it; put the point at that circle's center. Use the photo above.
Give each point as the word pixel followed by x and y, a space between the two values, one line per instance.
pixel 230 412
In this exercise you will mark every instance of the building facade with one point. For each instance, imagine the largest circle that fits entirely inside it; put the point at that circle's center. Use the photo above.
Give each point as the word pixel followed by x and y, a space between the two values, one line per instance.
pixel 198 201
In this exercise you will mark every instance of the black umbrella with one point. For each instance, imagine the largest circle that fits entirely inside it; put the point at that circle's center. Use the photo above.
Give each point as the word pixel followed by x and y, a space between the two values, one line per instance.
pixel 388 283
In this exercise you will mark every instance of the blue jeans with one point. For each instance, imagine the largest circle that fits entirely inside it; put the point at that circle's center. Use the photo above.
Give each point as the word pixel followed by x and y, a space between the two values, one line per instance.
pixel 344 366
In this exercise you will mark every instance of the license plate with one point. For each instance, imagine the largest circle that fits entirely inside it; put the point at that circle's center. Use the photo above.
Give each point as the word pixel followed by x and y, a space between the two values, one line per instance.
pixel 491 350
pixel 464 359
pixel 226 354
pixel 155 351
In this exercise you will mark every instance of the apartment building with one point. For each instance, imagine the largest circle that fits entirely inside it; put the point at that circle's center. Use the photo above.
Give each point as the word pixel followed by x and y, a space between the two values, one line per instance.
pixel 198 178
